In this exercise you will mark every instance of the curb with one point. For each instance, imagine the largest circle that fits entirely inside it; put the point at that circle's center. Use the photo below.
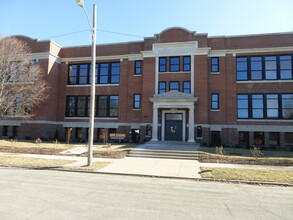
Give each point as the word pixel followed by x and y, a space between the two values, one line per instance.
pixel 162 177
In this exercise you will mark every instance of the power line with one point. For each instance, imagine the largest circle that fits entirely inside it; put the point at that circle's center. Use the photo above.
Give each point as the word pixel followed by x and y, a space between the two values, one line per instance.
pixel 112 32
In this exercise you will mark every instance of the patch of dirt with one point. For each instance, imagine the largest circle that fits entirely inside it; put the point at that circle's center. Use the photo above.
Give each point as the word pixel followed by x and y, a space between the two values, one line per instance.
pixel 212 158
pixel 54 151
pixel 30 150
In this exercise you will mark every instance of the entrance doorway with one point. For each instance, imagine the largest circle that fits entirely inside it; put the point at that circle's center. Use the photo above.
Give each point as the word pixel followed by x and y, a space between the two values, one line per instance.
pixel 173 126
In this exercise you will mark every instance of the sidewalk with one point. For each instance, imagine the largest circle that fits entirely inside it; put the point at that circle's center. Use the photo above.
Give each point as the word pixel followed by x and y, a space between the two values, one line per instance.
pixel 150 166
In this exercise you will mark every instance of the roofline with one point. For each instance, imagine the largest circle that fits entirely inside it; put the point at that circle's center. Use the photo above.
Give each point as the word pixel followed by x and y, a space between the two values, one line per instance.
pixel 251 35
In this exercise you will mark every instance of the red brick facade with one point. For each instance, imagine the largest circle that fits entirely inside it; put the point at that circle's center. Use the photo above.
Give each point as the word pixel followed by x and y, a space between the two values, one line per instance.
pixel 200 123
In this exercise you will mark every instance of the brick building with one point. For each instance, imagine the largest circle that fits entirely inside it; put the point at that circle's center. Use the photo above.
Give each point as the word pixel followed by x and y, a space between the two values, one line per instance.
pixel 178 85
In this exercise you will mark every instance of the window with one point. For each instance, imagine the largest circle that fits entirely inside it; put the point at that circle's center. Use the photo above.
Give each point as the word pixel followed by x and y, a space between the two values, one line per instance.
pixel 137 67
pixel 162 64
pixel 106 73
pixel 289 139
pixel 243 138
pixel 257 106
pixel 174 86
pixel 256 68
pixel 83 74
pixel 162 87
pixel 199 131
pixel 216 138
pixel 215 64
pixel 186 63
pixel 265 106
pixel 78 106
pixel 241 68
pixel 81 108
pixel 264 67
pixel 113 106
pixel 72 76
pixel 271 67
pixel 70 106
pixel 286 67
pixel 272 103
pixel 174 64
pixel 274 138
pixel 136 101
pixel 215 101
pixel 259 138
pixel 102 103
pixel 242 106
pixel 186 87
pixel 287 106
pixel 78 133
pixel 5 131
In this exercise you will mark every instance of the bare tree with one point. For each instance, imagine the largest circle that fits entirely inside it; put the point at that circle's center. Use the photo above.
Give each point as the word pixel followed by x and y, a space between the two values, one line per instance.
pixel 21 84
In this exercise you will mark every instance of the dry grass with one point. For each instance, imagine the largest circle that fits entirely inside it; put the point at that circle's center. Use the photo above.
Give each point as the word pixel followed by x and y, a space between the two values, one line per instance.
pixel 32 162
pixel 64 146
pixel 282 176
pixel 94 167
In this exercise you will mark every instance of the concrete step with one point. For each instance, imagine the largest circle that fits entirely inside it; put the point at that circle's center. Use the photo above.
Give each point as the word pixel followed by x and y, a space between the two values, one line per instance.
pixel 190 155
pixel 163 157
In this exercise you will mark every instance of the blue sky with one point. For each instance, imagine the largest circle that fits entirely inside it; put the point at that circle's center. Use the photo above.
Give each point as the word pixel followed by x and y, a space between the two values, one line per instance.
pixel 135 19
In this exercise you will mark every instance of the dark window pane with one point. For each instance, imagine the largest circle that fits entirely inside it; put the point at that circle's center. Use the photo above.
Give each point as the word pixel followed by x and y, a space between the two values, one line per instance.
pixel 258 138
pixel 287 106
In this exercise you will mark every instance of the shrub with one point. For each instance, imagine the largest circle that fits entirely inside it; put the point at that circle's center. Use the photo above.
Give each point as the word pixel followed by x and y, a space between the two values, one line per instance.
pixel 38 141
pixel 256 152
pixel 220 150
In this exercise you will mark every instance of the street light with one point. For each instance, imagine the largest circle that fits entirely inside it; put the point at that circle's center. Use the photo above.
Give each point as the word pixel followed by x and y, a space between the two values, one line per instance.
pixel 93 84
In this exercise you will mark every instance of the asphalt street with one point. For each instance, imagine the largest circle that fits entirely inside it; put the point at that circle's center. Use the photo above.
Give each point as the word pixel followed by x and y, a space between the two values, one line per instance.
pixel 47 194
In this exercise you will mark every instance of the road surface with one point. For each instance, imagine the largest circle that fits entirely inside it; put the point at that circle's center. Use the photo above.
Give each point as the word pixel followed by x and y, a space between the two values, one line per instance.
pixel 47 194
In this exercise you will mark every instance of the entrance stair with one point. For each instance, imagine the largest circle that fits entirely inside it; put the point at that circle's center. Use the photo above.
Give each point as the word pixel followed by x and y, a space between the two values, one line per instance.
pixel 167 150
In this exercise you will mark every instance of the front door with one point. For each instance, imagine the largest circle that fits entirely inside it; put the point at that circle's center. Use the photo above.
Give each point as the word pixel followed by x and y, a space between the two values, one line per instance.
pixel 173 127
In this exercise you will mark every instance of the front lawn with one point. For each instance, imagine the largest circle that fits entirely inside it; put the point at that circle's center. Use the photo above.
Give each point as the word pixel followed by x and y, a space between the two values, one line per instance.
pixel 244 156
pixel 281 176
pixel 32 162
pixel 115 150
